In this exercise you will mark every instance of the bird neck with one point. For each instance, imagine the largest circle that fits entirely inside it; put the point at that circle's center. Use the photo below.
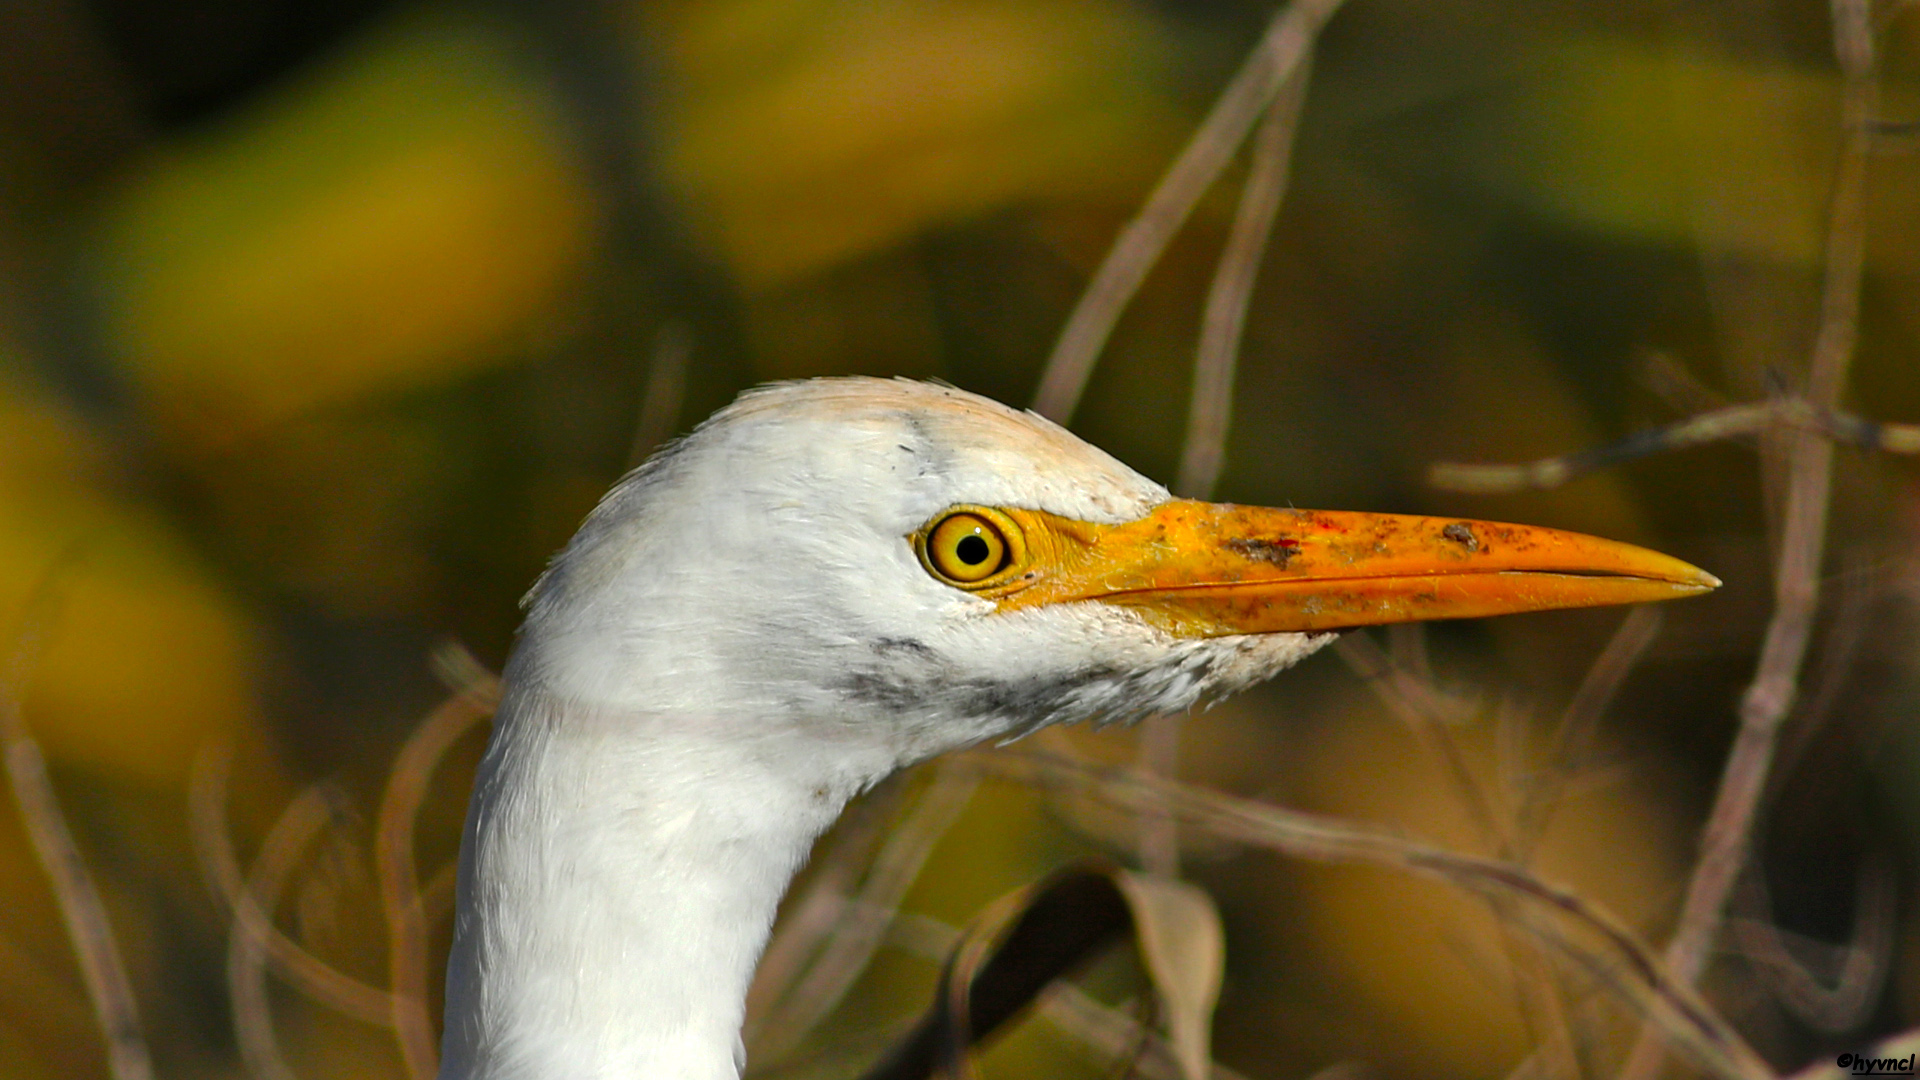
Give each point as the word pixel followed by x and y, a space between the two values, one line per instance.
pixel 618 880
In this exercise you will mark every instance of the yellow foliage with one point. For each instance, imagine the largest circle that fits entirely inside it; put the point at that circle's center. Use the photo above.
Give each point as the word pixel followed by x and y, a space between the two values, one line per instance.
pixel 1683 147
pixel 805 133
pixel 145 660
pixel 379 226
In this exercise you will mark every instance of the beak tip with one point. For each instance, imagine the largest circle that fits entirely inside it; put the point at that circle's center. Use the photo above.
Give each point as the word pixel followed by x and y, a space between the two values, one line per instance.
pixel 1699 580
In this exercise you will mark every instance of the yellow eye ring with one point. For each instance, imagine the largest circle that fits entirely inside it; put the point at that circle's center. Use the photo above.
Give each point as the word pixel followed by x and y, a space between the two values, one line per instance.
pixel 966 548
pixel 970 547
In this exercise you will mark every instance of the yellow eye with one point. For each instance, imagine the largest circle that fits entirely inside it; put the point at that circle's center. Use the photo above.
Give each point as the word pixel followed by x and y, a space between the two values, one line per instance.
pixel 965 547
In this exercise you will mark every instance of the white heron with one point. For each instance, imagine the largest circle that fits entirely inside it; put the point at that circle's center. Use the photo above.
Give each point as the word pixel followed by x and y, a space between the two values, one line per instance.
pixel 831 580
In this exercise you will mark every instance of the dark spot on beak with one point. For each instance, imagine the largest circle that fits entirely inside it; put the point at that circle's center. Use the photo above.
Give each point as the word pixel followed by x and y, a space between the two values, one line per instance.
pixel 1276 552
pixel 1461 533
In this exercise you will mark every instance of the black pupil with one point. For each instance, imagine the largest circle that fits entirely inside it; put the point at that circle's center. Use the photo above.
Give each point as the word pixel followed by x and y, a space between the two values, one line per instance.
pixel 973 550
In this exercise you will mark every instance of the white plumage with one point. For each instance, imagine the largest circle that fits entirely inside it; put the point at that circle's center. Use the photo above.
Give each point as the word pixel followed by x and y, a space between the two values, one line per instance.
pixel 739 639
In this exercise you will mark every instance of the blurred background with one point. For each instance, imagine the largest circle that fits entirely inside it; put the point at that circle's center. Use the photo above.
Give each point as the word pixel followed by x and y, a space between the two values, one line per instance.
pixel 322 324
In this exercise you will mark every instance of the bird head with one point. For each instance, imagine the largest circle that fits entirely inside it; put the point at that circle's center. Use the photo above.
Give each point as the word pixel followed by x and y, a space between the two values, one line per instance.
pixel 914 568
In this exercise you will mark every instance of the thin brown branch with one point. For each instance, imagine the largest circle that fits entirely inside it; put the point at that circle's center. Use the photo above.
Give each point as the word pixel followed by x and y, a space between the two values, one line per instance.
pixel 1844 631
pixel 1846 253
pixel 1283 48
pixel 246 955
pixel 1540 989
pixel 1415 703
pixel 862 925
pixel 1797 580
pixel 1670 381
pixel 815 910
pixel 1610 952
pixel 1159 752
pixel 1225 318
pixel 1539 996
pixel 1803 536
pixel 1407 648
pixel 1573 736
pixel 1403 682
pixel 1733 421
pixel 1211 409
pixel 666 390
pixel 1863 963
pixel 407 787
pixel 53 847
pixel 1730 422
pixel 438 894
pixel 1407 692
pixel 207 797
pixel 1540 992
pixel 461 672
pixel 1115 1035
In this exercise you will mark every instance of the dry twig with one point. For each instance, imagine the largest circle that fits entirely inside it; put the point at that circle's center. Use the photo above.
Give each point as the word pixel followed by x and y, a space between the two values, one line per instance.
pixel 666 389
pixel 1403 682
pixel 54 848
pixel 1573 736
pixel 1863 962
pixel 1602 947
pixel 246 955
pixel 1538 793
pixel 1225 318
pixel 1283 48
pixel 400 895
pixel 1670 381
pixel 1212 405
pixel 814 911
pixel 862 923
pixel 1845 629
pixel 1116 1035
pixel 1733 421
pixel 1797 577
pixel 1415 703
pixel 1159 753
pixel 324 983
pixel 1110 1032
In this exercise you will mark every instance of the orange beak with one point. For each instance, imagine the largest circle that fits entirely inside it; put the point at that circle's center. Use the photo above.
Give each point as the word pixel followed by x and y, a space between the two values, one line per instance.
pixel 1210 569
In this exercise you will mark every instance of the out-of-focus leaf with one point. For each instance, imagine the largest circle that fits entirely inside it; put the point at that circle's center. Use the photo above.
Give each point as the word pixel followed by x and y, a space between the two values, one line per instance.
pixel 1027 938
pixel 145 659
pixel 1663 143
pixel 808 132
pixel 1013 949
pixel 1185 952
pixel 383 223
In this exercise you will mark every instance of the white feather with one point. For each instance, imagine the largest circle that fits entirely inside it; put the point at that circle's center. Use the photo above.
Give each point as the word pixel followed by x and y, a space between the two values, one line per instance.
pixel 737 641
